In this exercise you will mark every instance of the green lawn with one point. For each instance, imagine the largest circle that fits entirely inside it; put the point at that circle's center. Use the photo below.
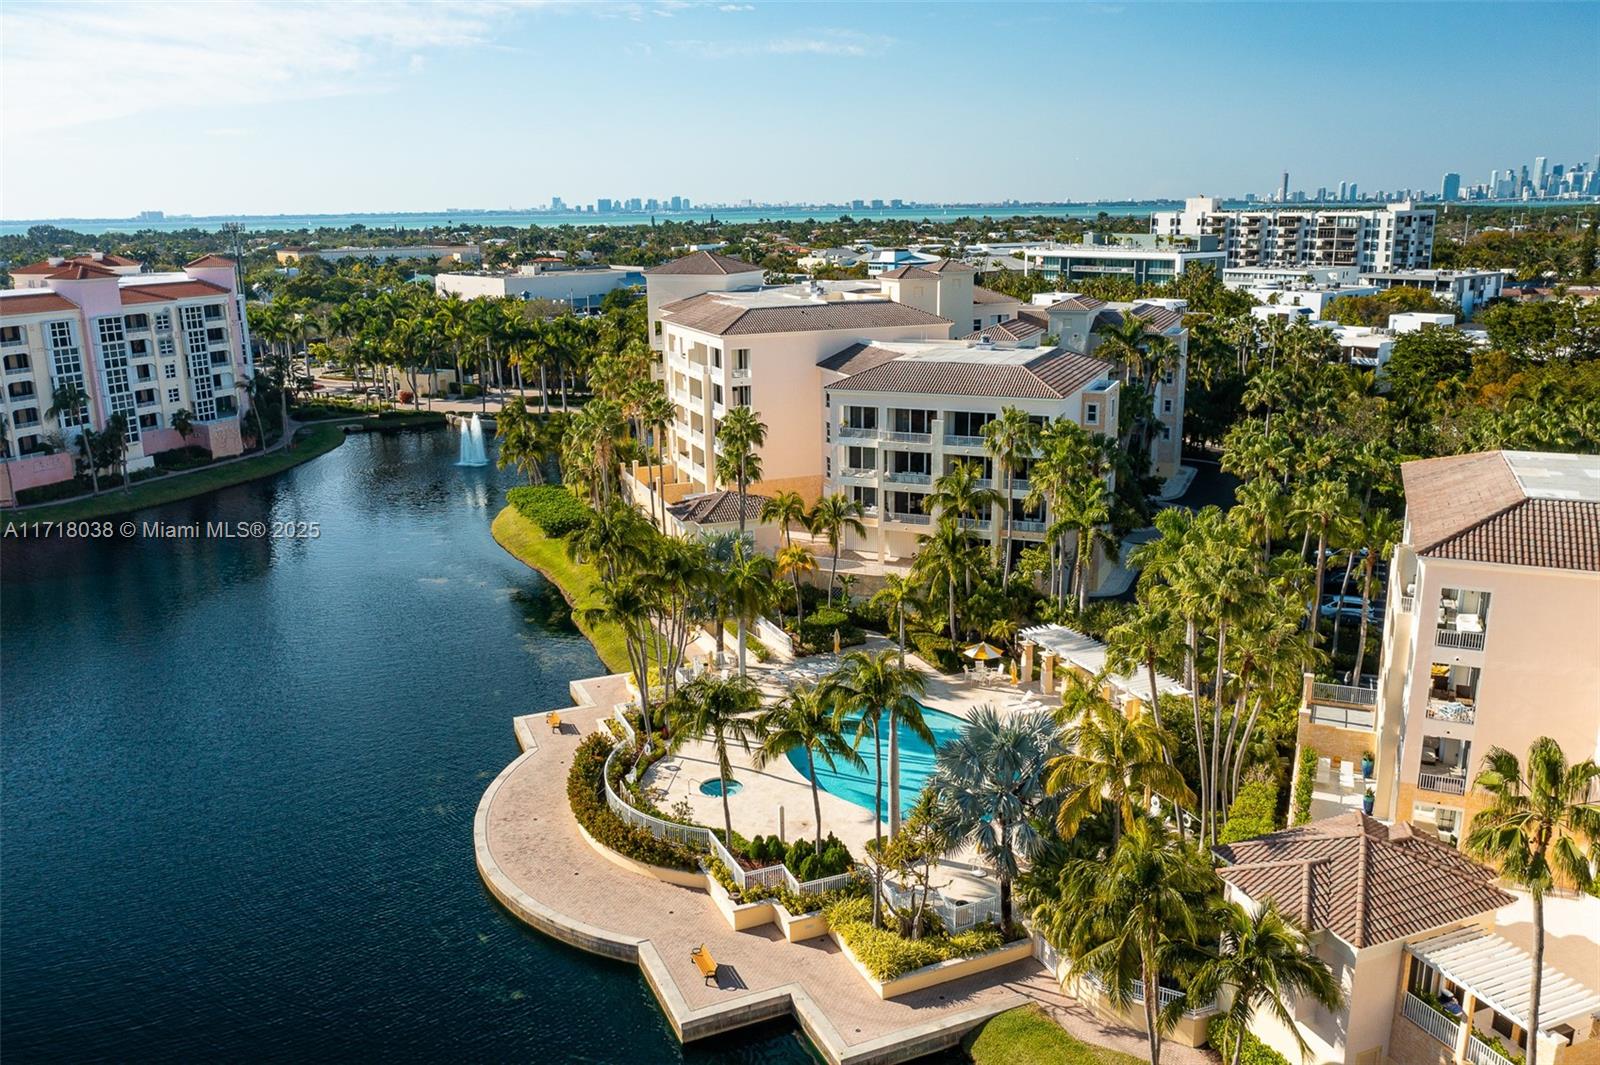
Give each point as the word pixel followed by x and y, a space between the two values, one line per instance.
pixel 1027 1036
pixel 578 581
pixel 309 443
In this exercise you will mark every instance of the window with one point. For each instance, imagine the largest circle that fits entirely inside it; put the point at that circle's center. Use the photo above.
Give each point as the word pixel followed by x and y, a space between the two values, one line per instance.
pixel 741 358
pixel 658 327
pixel 867 497
pixel 1167 378
pixel 919 462
pixel 170 371
pixel 173 395
pixel 145 396
pixel 741 395
pixel 163 320
pixel 149 421
pixel 166 347
pixel 18 361
pixel 137 321
pixel 1166 406
pixel 861 417
pixel 966 422
pixel 827 466
pixel 213 311
pixel 908 420
pixel 1166 432
pixel 977 324
pixel 861 458
pixel 144 371
pixel 114 372
pixel 68 366
pixel 11 334
pixel 716 394
pixel 203 390
pixel 1091 414
pixel 716 357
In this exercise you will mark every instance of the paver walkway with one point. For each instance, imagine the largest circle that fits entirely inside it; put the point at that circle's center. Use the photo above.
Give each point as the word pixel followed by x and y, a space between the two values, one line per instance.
pixel 533 857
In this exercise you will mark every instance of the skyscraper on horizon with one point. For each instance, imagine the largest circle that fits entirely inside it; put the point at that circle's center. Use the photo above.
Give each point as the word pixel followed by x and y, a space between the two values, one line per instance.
pixel 1450 187
pixel 1283 189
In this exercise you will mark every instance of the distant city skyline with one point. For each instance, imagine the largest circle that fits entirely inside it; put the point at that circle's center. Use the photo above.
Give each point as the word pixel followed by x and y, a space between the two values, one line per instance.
pixel 314 107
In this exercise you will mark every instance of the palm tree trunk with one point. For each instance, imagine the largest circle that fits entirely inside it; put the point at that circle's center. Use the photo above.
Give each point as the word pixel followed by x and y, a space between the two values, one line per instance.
pixel 727 818
pixel 833 578
pixel 1006 517
pixel 1152 998
pixel 816 798
pixel 894 778
pixel 902 616
pixel 1316 593
pixel 741 645
pixel 1338 616
pixel 1536 981
pixel 877 822
pixel 1366 599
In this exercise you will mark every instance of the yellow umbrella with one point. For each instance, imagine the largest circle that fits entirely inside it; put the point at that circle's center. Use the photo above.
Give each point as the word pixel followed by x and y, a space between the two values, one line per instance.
pixel 984 652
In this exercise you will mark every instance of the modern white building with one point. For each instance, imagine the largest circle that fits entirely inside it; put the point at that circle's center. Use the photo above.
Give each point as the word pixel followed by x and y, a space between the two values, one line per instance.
pixel 1138 257
pixel 1396 236
pixel 143 345
pixel 581 288
pixel 882 260
pixel 1467 289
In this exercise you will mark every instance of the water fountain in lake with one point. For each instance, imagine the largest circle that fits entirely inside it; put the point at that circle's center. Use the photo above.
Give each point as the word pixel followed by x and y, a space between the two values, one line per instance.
pixel 472 443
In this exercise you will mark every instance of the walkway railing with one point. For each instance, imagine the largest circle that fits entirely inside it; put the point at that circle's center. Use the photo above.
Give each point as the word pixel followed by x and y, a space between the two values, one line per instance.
pixel 1431 1020
pixel 1481 1053
pixel 1344 694
pixel 1169 995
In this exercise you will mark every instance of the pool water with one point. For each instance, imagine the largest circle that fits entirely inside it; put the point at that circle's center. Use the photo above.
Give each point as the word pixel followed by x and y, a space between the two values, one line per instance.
pixel 916 764
pixel 714 787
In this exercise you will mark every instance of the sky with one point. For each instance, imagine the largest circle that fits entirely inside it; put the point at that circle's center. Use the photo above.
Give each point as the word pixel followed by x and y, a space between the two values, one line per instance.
pixel 258 108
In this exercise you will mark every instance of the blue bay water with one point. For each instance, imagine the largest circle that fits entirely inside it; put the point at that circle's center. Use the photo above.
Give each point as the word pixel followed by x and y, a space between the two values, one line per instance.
pixel 239 779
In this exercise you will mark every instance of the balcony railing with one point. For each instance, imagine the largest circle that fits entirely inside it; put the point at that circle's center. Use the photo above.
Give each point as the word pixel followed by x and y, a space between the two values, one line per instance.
pixel 1466 641
pixel 909 438
pixel 1481 1053
pixel 1027 525
pixel 856 432
pixel 1444 783
pixel 908 477
pixel 1343 717
pixel 910 519
pixel 1431 1020
pixel 20 369
pixel 1453 711
pixel 952 440
pixel 858 471
pixel 740 375
pixel 1344 694
pixel 1407 603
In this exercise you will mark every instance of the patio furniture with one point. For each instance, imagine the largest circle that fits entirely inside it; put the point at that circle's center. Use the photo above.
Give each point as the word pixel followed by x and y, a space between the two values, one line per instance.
pixel 704 962
pixel 554 721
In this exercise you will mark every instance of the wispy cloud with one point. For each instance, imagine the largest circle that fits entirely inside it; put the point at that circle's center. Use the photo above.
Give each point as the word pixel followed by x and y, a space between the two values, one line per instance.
pixel 843 43
pixel 736 7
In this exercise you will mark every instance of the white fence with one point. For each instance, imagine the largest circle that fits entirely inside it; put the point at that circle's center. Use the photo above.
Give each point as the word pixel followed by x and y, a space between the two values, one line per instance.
pixel 775 638
pixel 1169 995
pixel 1344 694
pixel 958 915
pixel 1446 783
pixel 1481 1053
pixel 1431 1020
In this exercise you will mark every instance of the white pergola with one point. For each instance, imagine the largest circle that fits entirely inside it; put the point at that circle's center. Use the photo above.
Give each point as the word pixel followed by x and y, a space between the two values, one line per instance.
pixel 1089 654
pixel 1496 972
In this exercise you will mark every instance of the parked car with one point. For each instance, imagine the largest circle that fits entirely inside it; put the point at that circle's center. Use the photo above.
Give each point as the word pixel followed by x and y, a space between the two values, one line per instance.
pixel 1349 608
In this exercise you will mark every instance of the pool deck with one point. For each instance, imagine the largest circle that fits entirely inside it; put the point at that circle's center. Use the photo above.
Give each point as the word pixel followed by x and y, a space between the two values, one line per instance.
pixel 534 859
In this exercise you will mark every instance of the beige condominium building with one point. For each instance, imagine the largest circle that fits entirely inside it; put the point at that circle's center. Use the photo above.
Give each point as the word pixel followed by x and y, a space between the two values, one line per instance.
pixel 1395 236
pixel 1491 637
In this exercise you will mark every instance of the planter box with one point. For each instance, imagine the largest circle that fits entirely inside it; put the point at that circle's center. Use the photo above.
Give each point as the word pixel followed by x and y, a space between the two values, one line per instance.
pixel 742 916
pixel 940 972
pixel 681 877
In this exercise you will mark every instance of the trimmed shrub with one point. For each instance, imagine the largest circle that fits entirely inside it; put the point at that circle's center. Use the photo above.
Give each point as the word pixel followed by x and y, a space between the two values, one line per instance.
pixel 46 493
pixel 1304 780
pixel 1253 813
pixel 887 954
pixel 936 649
pixel 816 631
pixel 586 795
pixel 183 458
pixel 1251 1050
pixel 551 507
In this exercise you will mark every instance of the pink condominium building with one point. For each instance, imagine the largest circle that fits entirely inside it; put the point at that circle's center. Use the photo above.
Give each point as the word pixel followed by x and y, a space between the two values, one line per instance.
pixel 143 345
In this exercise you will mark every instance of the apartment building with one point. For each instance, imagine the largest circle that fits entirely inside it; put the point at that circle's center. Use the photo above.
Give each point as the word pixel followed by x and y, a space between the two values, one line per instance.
pixel 693 275
pixel 581 288
pixel 144 345
pixel 1467 289
pixel 1396 236
pixel 898 415
pixel 1489 639
pixel 1139 257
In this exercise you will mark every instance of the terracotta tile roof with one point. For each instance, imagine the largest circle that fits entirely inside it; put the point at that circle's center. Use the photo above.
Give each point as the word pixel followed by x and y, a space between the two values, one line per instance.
pixel 1476 508
pixel 43 266
pixel 1362 880
pixel 1010 329
pixel 857 357
pixel 711 315
pixel 163 292
pixel 69 269
pixel 1077 303
pixel 716 508
pixel 212 260
pixel 1039 316
pixel 1157 319
pixel 986 295
pixel 1052 375
pixel 951 266
pixel 704 262
pixel 910 273
pixel 34 302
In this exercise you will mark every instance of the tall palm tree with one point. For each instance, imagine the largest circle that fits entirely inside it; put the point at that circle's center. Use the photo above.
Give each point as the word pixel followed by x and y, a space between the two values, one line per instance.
pixel 1086 508
pixel 958 494
pixel 793 561
pixel 1537 828
pixel 992 779
pixel 1109 758
pixel 1264 959
pixel 70 403
pixel 785 510
pixel 747 583
pixel 725 711
pixel 742 435
pixel 1316 509
pixel 1010 439
pixel 945 558
pixel 522 443
pixel 1379 533
pixel 832 517
pixel 878 693
pixel 1131 917
pixel 804 720
pixel 898 594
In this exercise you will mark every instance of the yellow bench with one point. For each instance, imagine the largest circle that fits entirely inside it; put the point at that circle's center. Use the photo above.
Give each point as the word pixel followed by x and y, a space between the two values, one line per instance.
pixel 704 962
pixel 554 721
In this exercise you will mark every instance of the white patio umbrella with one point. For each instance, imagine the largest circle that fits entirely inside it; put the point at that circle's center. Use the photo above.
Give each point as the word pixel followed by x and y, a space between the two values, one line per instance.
pixel 984 652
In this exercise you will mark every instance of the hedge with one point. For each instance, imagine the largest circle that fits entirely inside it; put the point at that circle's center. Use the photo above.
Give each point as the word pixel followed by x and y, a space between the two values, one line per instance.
pixel 816 631
pixel 1252 1051
pixel 1254 811
pixel 1304 781
pixel 586 795
pixel 550 506
pixel 936 649
pixel 887 954
pixel 796 903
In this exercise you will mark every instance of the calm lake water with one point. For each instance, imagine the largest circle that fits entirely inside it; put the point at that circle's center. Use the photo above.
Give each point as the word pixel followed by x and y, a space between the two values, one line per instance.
pixel 239 780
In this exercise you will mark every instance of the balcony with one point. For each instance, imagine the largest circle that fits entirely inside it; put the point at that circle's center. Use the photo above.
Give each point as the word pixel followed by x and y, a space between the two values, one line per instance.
pixel 1343 717
pixel 909 438
pixel 908 477
pixel 858 471
pixel 1451 783
pixel 1343 695
pixel 1466 641
pixel 740 375
pixel 1430 1020
pixel 1028 525
pixel 950 440
pixel 909 519
pixel 857 432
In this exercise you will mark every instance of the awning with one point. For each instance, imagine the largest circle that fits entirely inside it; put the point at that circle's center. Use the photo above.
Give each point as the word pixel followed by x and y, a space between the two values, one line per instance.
pixel 1496 972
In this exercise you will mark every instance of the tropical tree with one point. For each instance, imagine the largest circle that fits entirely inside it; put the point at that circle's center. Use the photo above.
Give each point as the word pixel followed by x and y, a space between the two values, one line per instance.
pixel 992 781
pixel 874 692
pixel 915 854
pixel 1109 758
pixel 523 442
pixel 183 423
pixel 898 594
pixel 1011 439
pixel 70 403
pixel 747 585
pixel 945 560
pixel 1541 825
pixel 793 561
pixel 1316 508
pixel 1264 960
pixel 785 510
pixel 804 720
pixel 742 435
pixel 722 711
pixel 958 494
pixel 1129 918
pixel 1086 509
pixel 831 518
pixel 1380 533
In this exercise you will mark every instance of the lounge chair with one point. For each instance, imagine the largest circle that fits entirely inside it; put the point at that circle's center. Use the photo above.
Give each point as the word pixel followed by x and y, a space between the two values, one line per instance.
pixel 704 962
pixel 554 721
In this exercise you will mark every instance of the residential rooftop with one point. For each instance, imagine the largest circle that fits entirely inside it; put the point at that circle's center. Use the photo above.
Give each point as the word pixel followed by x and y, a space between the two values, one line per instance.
pixel 956 369
pixel 704 263
pixel 791 309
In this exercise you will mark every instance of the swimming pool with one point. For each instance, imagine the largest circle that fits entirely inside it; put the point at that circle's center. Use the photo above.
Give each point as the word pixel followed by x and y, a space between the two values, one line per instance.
pixel 916 764
pixel 714 787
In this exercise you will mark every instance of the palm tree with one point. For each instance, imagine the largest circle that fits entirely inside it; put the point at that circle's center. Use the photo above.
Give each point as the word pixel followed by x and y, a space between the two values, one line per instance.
pixel 1109 758
pixel 871 688
pixel 785 509
pixel 1316 509
pixel 898 594
pixel 747 583
pixel 945 557
pixel 1010 439
pixel 1380 533
pixel 522 443
pixel 804 720
pixel 726 711
pixel 958 494
pixel 70 403
pixel 1131 917
pixel 1264 959
pixel 183 423
pixel 794 560
pixel 1086 509
pixel 742 434
pixel 1535 830
pixel 658 413
pixel 832 517
pixel 992 780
